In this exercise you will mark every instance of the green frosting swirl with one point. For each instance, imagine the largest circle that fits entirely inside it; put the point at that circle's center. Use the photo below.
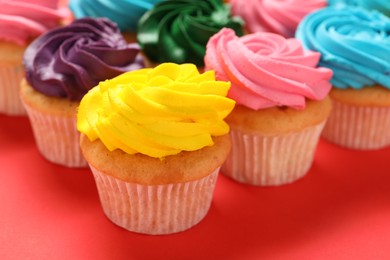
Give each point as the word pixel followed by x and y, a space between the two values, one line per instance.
pixel 178 30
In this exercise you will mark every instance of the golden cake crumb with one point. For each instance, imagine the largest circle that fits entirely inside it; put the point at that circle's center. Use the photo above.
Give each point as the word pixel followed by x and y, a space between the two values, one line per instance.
pixel 46 104
pixel 142 169
pixel 278 120
pixel 377 96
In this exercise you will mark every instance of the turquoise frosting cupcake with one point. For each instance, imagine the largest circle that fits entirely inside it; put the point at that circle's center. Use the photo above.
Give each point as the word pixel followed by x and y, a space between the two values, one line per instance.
pixel 355 43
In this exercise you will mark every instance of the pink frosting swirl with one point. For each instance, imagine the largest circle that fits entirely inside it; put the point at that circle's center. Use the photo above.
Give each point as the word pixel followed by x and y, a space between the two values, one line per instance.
pixel 277 16
pixel 266 69
pixel 23 20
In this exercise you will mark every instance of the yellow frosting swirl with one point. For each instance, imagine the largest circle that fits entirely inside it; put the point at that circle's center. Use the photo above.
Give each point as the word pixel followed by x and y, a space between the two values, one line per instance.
pixel 156 112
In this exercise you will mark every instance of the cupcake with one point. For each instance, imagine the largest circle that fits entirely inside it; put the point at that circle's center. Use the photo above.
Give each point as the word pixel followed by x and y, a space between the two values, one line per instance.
pixel 281 17
pixel 125 13
pixel 354 43
pixel 20 23
pixel 178 30
pixel 155 140
pixel 61 66
pixel 282 105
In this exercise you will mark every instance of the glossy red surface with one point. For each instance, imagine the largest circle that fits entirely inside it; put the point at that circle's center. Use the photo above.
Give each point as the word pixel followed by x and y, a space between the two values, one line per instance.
pixel 340 210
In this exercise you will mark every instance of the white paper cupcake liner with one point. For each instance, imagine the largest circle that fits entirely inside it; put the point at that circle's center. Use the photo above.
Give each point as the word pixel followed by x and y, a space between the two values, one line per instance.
pixel 155 209
pixel 10 103
pixel 358 127
pixel 271 160
pixel 57 138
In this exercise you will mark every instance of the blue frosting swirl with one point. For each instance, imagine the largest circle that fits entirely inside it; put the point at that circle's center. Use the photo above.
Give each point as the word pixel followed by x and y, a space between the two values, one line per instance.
pixel 125 13
pixel 382 6
pixel 353 42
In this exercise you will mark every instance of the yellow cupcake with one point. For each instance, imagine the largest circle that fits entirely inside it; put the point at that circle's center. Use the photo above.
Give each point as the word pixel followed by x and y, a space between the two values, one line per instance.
pixel 155 140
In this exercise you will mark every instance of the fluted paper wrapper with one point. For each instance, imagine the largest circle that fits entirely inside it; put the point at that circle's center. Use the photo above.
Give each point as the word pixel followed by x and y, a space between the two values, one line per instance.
pixel 358 127
pixel 57 138
pixel 10 77
pixel 262 160
pixel 155 209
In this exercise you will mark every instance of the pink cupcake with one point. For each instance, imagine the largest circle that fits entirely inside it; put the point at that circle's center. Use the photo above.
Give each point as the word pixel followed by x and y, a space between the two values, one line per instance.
pixel 282 105
pixel 20 23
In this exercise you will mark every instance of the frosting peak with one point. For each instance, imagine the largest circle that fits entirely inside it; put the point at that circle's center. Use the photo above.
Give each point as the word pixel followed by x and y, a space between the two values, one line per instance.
pixel 68 61
pixel 266 69
pixel 156 112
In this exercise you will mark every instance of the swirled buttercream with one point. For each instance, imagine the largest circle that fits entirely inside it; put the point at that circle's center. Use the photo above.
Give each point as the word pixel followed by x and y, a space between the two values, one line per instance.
pixel 353 42
pixel 68 61
pixel 156 112
pixel 382 6
pixel 266 69
pixel 178 30
pixel 125 13
pixel 280 16
pixel 22 21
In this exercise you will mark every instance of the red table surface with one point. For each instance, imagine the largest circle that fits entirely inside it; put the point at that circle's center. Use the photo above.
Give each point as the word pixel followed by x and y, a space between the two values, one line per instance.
pixel 340 210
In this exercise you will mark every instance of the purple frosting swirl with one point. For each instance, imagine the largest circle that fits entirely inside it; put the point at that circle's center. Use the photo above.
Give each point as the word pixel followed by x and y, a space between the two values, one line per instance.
pixel 70 60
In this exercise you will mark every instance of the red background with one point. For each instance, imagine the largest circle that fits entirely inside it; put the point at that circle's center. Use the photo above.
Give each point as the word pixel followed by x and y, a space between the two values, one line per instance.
pixel 340 210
